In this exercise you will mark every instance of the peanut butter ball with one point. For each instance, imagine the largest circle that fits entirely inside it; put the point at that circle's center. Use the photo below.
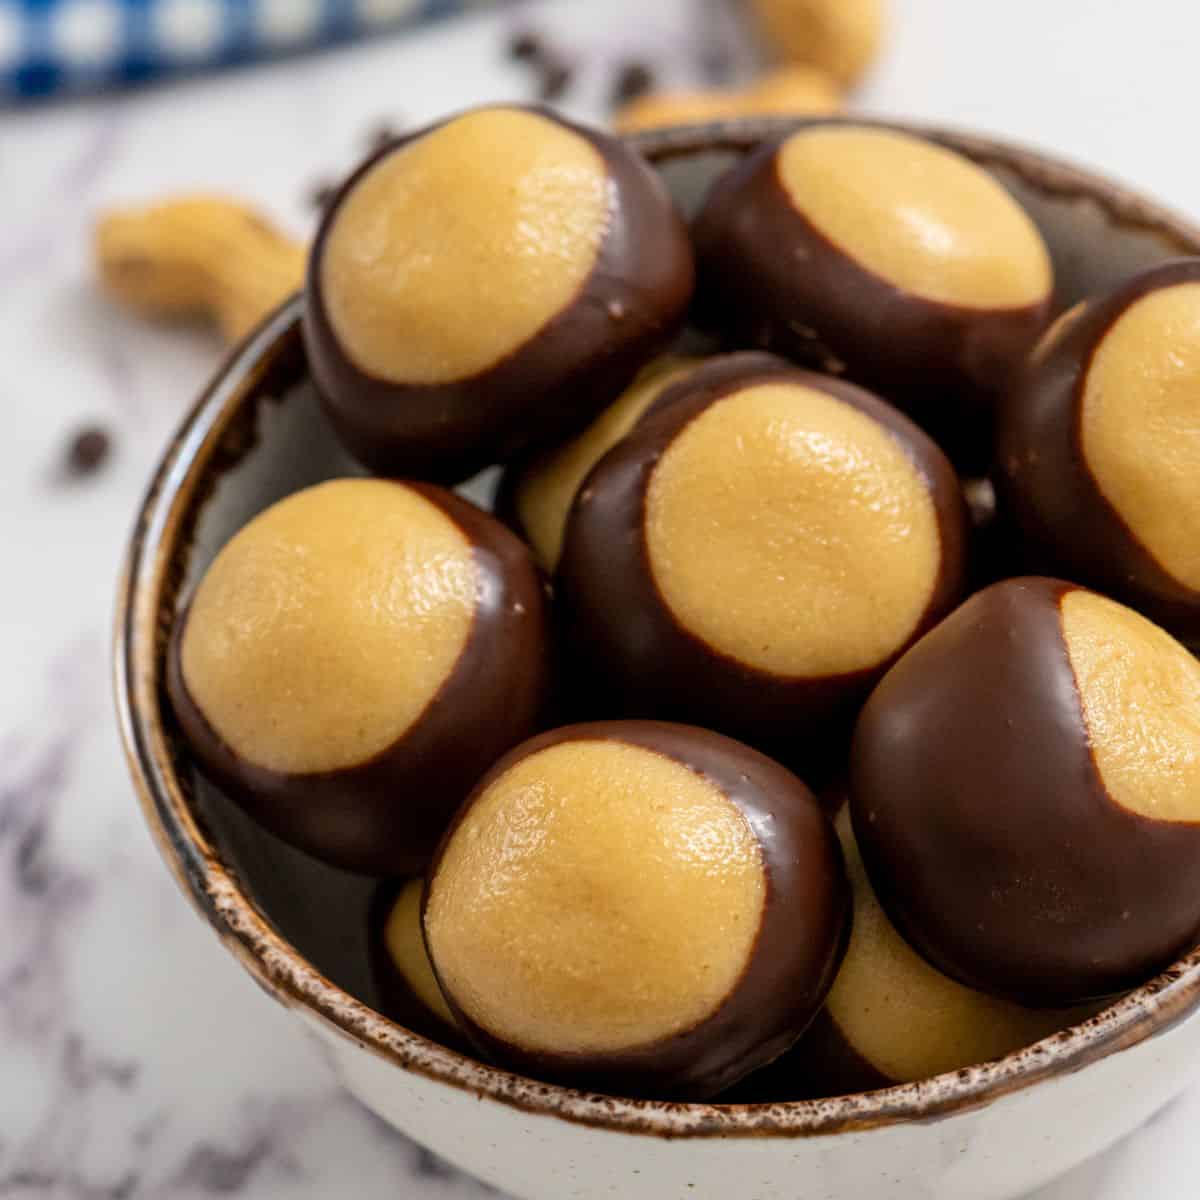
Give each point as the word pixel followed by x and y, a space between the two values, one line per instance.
pixel 884 258
pixel 539 492
pixel 408 989
pixel 1026 794
pixel 1098 464
pixel 354 659
pixel 486 285
pixel 636 907
pixel 754 556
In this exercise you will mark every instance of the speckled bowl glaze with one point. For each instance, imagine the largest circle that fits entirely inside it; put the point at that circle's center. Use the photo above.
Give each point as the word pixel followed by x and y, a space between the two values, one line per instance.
pixel 299 928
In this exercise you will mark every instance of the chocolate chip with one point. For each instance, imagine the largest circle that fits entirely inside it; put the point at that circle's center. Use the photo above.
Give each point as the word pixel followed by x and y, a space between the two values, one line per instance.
pixel 634 79
pixel 383 135
pixel 555 78
pixel 526 46
pixel 321 194
pixel 87 450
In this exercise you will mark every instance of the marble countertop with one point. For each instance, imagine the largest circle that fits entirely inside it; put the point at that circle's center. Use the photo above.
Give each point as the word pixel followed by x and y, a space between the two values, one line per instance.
pixel 136 1059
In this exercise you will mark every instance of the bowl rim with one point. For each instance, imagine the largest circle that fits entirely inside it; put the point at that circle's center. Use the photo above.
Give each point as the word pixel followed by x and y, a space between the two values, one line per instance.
pixel 213 888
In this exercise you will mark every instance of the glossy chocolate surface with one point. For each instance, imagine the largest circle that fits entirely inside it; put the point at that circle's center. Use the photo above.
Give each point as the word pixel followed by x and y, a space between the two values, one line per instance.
pixel 505 503
pixel 823 1063
pixel 626 643
pixel 769 277
pixel 631 305
pixel 984 824
pixel 385 815
pixel 795 957
pixel 1055 515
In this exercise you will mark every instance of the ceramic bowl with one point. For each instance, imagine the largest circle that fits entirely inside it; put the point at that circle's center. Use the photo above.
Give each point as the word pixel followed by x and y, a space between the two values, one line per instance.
pixel 991 1132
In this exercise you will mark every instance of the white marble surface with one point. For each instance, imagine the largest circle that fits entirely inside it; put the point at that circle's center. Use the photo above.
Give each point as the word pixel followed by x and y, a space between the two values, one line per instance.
pixel 135 1058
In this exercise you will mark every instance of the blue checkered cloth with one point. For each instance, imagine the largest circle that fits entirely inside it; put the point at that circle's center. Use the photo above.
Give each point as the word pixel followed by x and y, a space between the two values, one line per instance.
pixel 52 46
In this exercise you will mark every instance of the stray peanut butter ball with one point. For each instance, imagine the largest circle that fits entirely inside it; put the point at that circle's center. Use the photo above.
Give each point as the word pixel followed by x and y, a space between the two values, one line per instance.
pixel 1098 463
pixel 883 257
pixel 1026 794
pixel 638 908
pixel 352 662
pixel 754 556
pixel 486 285
pixel 408 989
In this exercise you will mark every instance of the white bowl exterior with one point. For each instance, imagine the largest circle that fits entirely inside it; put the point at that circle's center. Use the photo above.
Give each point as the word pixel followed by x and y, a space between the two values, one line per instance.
pixel 998 1151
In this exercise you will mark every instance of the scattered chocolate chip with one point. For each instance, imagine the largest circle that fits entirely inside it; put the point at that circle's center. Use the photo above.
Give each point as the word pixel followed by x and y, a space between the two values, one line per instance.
pixel 634 78
pixel 526 46
pixel 555 78
pixel 87 450
pixel 383 135
pixel 321 195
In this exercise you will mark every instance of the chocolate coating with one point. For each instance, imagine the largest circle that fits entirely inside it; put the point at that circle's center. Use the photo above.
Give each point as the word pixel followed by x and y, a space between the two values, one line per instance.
pixel 799 941
pixel 628 645
pixel 657 386
pixel 821 1064
pixel 385 815
pixel 630 306
pixel 769 276
pixel 986 828
pixel 892 1018
pixel 1057 517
